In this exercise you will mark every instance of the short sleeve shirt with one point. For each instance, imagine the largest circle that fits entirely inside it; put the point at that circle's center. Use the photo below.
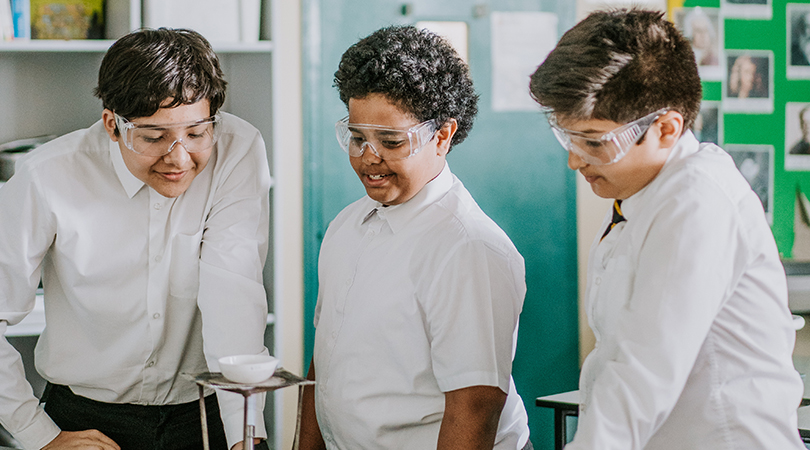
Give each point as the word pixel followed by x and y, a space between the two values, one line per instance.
pixel 414 300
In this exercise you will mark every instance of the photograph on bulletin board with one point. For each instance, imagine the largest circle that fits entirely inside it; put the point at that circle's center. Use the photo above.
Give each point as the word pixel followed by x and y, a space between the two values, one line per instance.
pixel 708 123
pixel 747 9
pixel 798 40
pixel 755 162
pixel 704 29
pixel 797 136
pixel 749 82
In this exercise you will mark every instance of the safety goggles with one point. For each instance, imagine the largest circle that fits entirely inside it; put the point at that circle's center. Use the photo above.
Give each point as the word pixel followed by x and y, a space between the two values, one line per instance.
pixel 607 148
pixel 159 140
pixel 389 144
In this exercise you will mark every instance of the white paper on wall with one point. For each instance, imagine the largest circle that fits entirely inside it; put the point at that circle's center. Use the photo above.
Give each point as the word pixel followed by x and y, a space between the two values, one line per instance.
pixel 456 33
pixel 520 42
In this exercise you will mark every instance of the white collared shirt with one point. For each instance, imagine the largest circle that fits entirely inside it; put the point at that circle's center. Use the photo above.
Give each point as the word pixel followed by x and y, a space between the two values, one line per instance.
pixel 420 299
pixel 688 302
pixel 138 287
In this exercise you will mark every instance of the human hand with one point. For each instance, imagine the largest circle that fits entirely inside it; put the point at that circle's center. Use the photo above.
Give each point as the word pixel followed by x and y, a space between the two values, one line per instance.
pixel 87 439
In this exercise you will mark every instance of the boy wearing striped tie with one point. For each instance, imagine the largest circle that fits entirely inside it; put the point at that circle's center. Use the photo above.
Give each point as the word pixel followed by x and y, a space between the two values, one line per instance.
pixel 686 294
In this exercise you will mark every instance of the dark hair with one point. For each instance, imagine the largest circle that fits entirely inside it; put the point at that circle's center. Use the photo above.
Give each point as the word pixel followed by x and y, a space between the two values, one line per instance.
pixel 801 116
pixel 416 70
pixel 620 65
pixel 146 67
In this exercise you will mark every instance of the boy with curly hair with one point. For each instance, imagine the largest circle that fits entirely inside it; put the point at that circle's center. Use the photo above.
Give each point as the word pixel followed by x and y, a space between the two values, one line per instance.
pixel 420 291
pixel 686 294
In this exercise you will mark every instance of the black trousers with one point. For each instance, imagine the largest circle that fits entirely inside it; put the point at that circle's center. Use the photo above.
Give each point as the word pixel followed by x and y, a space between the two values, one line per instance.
pixel 138 427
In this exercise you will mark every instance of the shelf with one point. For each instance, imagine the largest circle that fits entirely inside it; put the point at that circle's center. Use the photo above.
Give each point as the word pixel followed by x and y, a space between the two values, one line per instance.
pixel 47 45
pixel 101 46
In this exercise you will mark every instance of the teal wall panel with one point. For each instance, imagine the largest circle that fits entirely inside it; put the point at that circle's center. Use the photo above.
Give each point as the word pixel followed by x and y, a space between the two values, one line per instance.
pixel 510 163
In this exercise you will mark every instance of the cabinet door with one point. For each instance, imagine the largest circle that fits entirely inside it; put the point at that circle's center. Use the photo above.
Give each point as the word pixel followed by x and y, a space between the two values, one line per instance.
pixel 510 163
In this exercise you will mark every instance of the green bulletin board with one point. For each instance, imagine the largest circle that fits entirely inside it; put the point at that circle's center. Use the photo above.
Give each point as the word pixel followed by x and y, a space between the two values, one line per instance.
pixel 758 123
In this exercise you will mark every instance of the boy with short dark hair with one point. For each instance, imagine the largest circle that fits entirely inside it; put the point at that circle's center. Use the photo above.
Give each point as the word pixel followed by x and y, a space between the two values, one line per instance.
pixel 686 294
pixel 150 229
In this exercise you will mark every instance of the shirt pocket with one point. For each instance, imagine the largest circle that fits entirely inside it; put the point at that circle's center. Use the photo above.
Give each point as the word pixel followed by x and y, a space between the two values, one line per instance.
pixel 184 274
pixel 615 290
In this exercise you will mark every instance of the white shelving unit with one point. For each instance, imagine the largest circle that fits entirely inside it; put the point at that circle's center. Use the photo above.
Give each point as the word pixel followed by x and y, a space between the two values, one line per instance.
pixel 46 87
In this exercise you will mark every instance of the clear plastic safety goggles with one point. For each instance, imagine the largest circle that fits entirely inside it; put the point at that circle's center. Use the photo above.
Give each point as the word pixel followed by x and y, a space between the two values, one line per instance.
pixel 388 144
pixel 607 148
pixel 159 140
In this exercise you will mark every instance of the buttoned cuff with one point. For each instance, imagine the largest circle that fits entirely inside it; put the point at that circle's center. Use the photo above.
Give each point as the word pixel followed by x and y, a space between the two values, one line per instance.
pixel 41 431
pixel 232 410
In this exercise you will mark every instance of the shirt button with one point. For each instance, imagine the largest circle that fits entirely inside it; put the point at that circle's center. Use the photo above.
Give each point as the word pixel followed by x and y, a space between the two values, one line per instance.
pixel 158 206
pixel 597 281
pixel 349 282
pixel 334 335
pixel 151 363
pixel 156 315
pixel 158 258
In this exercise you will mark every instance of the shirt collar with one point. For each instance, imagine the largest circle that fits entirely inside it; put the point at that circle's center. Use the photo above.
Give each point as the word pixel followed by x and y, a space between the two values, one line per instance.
pixel 686 146
pixel 398 216
pixel 130 183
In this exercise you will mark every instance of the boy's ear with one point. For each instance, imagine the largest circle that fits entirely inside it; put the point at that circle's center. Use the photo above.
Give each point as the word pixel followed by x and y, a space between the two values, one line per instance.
pixel 445 135
pixel 671 126
pixel 108 119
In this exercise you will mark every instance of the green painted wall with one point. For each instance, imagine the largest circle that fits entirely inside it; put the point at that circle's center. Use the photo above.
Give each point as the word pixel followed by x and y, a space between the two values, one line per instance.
pixel 510 163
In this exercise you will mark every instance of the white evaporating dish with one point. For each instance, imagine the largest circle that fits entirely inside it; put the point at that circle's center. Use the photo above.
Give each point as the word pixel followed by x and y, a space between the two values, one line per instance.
pixel 248 368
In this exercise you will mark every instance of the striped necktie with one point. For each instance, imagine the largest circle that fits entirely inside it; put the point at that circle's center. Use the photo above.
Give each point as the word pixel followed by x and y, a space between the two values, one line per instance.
pixel 617 217
pixel 369 215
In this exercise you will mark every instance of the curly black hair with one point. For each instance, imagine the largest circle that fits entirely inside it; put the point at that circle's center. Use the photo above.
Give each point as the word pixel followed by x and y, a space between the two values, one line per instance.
pixel 416 70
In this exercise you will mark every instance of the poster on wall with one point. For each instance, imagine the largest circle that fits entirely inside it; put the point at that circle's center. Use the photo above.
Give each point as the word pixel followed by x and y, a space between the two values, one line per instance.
pixel 797 136
pixel 456 33
pixel 798 41
pixel 708 124
pixel 520 41
pixel 704 29
pixel 747 9
pixel 748 86
pixel 755 162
